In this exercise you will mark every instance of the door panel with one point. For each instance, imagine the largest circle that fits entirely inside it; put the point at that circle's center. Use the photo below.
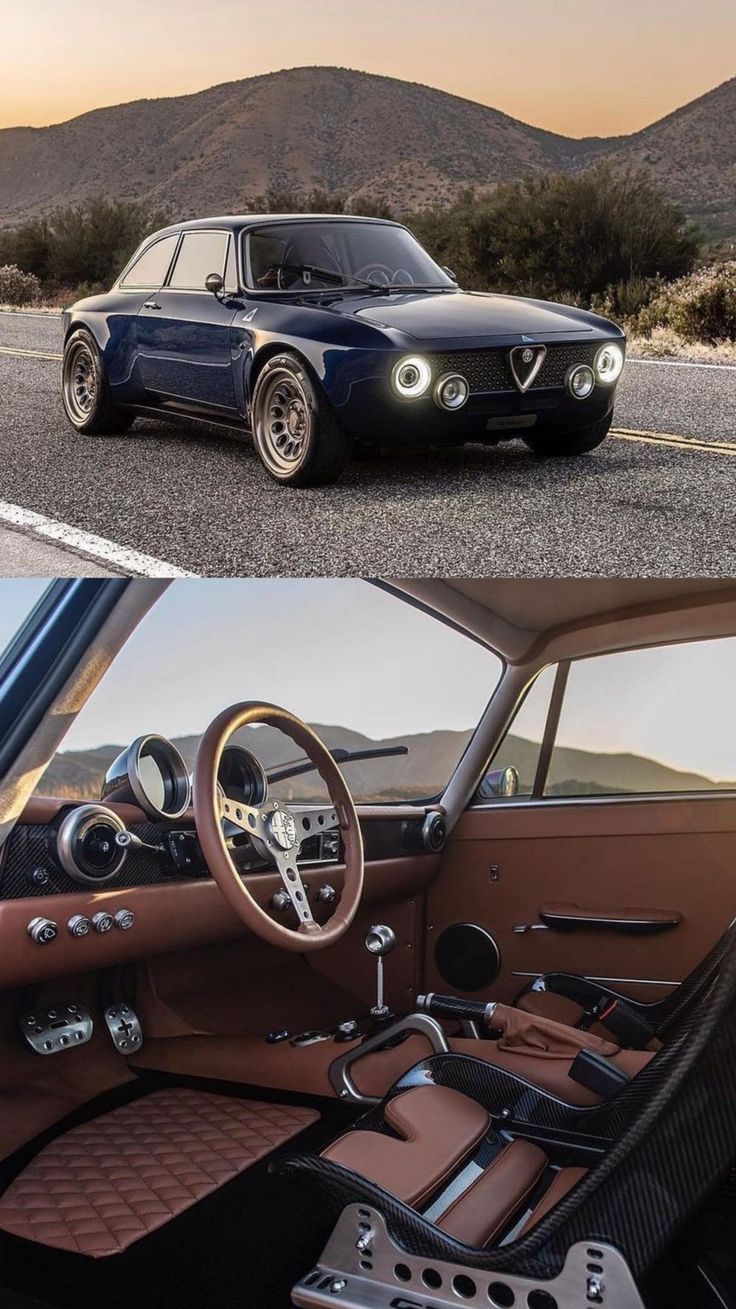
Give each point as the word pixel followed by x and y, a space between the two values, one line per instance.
pixel 674 857
pixel 184 348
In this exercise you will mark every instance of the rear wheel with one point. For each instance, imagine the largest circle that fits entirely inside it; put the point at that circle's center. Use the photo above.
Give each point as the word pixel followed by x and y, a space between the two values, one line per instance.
pixel 295 432
pixel 571 443
pixel 85 388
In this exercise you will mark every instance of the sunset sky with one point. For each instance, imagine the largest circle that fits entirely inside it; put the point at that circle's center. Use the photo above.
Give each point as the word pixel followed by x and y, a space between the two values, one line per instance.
pixel 573 66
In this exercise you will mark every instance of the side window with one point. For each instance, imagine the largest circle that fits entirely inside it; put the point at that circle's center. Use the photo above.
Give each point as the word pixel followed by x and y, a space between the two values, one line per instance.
pixel 150 268
pixel 231 268
pixel 200 254
pixel 648 722
pixel 520 748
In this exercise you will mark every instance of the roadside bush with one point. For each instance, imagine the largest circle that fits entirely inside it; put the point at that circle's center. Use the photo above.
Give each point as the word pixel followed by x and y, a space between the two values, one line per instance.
pixel 558 233
pixel 701 307
pixel 88 242
pixel 17 287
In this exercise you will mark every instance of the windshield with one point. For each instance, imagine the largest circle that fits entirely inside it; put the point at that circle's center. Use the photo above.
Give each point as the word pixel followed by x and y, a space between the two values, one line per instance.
pixel 330 254
pixel 372 674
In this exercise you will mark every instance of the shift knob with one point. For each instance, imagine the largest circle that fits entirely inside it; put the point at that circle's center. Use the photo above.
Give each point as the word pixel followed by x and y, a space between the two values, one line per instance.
pixel 380 939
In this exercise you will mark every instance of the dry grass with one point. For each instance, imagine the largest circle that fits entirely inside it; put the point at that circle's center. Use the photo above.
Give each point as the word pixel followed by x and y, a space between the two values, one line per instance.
pixel 31 309
pixel 664 343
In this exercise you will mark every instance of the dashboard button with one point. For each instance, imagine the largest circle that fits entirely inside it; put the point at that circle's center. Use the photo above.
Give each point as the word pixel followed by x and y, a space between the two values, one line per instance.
pixel 102 922
pixel 79 925
pixel 42 930
pixel 124 919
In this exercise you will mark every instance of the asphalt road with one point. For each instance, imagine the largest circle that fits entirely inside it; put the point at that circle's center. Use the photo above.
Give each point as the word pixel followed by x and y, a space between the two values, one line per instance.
pixel 656 500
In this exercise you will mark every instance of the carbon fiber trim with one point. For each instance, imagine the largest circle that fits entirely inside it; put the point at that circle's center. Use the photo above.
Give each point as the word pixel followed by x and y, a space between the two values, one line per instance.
pixel 27 856
pixel 673 1137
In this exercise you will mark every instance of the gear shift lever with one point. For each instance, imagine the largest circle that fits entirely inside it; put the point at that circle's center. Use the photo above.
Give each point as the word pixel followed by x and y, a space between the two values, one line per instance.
pixel 380 941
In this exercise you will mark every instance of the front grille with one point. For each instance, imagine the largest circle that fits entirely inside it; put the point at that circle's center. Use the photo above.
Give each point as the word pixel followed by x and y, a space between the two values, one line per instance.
pixel 488 370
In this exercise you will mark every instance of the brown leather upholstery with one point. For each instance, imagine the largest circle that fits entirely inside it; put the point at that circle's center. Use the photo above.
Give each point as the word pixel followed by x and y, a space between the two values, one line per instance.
pixel 548 1005
pixel 438 1128
pixel 543 1038
pixel 486 1207
pixel 106 1184
pixel 564 1181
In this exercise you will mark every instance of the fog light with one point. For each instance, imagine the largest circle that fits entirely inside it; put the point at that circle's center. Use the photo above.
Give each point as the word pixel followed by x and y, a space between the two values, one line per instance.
pixel 580 381
pixel 411 377
pixel 608 363
pixel 451 391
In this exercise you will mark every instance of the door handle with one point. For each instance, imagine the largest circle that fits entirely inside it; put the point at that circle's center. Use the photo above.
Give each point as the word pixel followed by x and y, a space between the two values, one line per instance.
pixel 636 922
pixel 151 304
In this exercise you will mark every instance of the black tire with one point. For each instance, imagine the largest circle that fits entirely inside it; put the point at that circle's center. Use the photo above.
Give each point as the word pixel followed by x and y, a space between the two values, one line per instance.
pixel 85 390
pixel 295 432
pixel 565 444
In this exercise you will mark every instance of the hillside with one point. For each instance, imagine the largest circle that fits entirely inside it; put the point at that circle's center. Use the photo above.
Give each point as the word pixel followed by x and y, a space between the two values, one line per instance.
pixel 421 774
pixel 344 131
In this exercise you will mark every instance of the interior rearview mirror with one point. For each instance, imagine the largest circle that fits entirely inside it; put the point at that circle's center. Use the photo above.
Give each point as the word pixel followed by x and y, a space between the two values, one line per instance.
pixel 500 782
pixel 215 283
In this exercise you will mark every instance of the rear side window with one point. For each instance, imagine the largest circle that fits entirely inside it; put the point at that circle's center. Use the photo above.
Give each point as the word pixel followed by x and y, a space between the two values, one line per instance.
pixel 150 268
pixel 200 254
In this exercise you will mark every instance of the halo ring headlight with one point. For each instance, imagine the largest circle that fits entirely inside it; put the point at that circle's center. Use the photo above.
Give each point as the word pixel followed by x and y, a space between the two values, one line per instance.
pixel 609 363
pixel 451 391
pixel 580 381
pixel 411 377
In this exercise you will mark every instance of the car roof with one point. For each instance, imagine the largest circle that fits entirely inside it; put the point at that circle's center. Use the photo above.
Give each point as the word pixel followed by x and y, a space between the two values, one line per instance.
pixel 236 221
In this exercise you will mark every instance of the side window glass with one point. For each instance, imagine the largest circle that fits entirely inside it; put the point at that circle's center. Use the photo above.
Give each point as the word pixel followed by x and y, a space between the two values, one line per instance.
pixel 231 267
pixel 200 254
pixel 150 268
pixel 514 765
pixel 648 722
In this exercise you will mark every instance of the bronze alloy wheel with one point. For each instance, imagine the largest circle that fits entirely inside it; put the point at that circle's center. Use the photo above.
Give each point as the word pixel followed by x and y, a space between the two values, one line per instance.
pixel 284 422
pixel 80 382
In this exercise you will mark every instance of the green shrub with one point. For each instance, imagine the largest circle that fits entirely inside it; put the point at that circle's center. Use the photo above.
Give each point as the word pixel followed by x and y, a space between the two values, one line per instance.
pixel 17 287
pixel 701 307
pixel 558 233
pixel 88 242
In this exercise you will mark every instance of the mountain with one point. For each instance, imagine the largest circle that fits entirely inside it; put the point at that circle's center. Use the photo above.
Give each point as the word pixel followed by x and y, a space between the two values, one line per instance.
pixel 422 773
pixel 340 130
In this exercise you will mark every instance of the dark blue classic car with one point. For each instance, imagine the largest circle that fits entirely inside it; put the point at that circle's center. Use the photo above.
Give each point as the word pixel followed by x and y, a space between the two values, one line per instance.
pixel 315 332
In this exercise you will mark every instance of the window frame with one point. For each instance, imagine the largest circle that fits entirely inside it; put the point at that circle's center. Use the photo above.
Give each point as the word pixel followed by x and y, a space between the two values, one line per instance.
pixel 132 264
pixel 555 708
pixel 196 231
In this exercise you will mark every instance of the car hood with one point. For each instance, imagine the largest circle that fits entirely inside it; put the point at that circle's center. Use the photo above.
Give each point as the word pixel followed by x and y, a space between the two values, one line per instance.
pixel 425 316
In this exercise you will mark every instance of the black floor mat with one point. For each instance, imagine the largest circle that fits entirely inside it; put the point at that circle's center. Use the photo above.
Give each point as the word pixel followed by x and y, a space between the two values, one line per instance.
pixel 243 1247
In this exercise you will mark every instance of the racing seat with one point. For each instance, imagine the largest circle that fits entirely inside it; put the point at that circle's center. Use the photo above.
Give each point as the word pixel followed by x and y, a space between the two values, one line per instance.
pixel 573 1000
pixel 479 1170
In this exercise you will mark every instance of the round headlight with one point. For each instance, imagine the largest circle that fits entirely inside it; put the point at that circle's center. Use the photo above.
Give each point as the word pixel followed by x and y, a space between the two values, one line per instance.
pixel 608 363
pixel 411 377
pixel 451 391
pixel 580 381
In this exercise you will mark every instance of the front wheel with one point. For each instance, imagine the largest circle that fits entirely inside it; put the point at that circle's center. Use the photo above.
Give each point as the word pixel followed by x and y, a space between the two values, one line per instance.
pixel 295 432
pixel 85 388
pixel 571 443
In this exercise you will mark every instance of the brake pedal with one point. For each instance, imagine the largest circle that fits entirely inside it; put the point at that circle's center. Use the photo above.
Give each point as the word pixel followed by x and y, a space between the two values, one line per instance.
pixel 51 1029
pixel 124 1027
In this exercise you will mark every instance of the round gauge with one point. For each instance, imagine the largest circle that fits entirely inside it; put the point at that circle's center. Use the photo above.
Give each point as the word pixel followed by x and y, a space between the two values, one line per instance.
pixel 85 844
pixel 152 774
pixel 241 776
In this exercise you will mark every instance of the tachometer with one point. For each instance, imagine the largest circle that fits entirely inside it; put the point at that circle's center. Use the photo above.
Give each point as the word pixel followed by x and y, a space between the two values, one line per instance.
pixel 241 776
pixel 152 774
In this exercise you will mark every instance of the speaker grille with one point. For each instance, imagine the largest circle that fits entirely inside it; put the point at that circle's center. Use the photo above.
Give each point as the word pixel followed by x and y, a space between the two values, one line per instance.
pixel 467 957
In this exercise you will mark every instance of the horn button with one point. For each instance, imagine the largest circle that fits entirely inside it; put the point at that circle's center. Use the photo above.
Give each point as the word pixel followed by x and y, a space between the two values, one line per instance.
pixel 282 828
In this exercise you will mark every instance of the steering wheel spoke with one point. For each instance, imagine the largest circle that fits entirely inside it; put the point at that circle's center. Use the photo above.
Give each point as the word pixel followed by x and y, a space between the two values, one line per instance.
pixel 312 821
pixel 245 816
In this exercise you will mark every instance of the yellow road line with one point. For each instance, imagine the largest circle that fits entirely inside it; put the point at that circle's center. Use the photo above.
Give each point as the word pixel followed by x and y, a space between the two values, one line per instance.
pixel 28 354
pixel 676 442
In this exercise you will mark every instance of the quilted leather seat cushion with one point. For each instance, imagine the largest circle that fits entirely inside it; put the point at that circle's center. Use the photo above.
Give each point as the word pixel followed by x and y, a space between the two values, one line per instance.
pixel 106 1184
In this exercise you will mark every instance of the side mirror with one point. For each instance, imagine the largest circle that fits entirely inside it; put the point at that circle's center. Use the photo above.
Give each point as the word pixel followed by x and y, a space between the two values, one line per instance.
pixel 449 273
pixel 215 283
pixel 502 781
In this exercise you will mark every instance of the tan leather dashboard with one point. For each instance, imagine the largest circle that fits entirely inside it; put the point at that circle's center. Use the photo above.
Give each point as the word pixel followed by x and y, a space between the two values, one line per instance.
pixel 174 915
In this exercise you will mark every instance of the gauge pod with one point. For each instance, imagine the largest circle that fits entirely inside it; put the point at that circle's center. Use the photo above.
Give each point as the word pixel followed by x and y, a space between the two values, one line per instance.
pixel 242 776
pixel 86 846
pixel 152 774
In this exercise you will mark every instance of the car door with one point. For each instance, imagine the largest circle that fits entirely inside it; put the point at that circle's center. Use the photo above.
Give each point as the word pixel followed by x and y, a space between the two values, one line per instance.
pixel 184 331
pixel 617 860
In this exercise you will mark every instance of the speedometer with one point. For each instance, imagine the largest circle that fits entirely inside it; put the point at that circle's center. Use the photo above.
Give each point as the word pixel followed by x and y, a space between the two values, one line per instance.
pixel 241 776
pixel 152 774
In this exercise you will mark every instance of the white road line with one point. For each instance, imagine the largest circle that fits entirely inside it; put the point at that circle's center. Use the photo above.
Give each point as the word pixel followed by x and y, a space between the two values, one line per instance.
pixel 129 561
pixel 28 313
pixel 681 363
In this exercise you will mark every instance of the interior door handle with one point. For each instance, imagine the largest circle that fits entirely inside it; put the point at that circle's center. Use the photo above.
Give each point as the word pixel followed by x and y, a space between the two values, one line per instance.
pixel 636 922
pixel 151 304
